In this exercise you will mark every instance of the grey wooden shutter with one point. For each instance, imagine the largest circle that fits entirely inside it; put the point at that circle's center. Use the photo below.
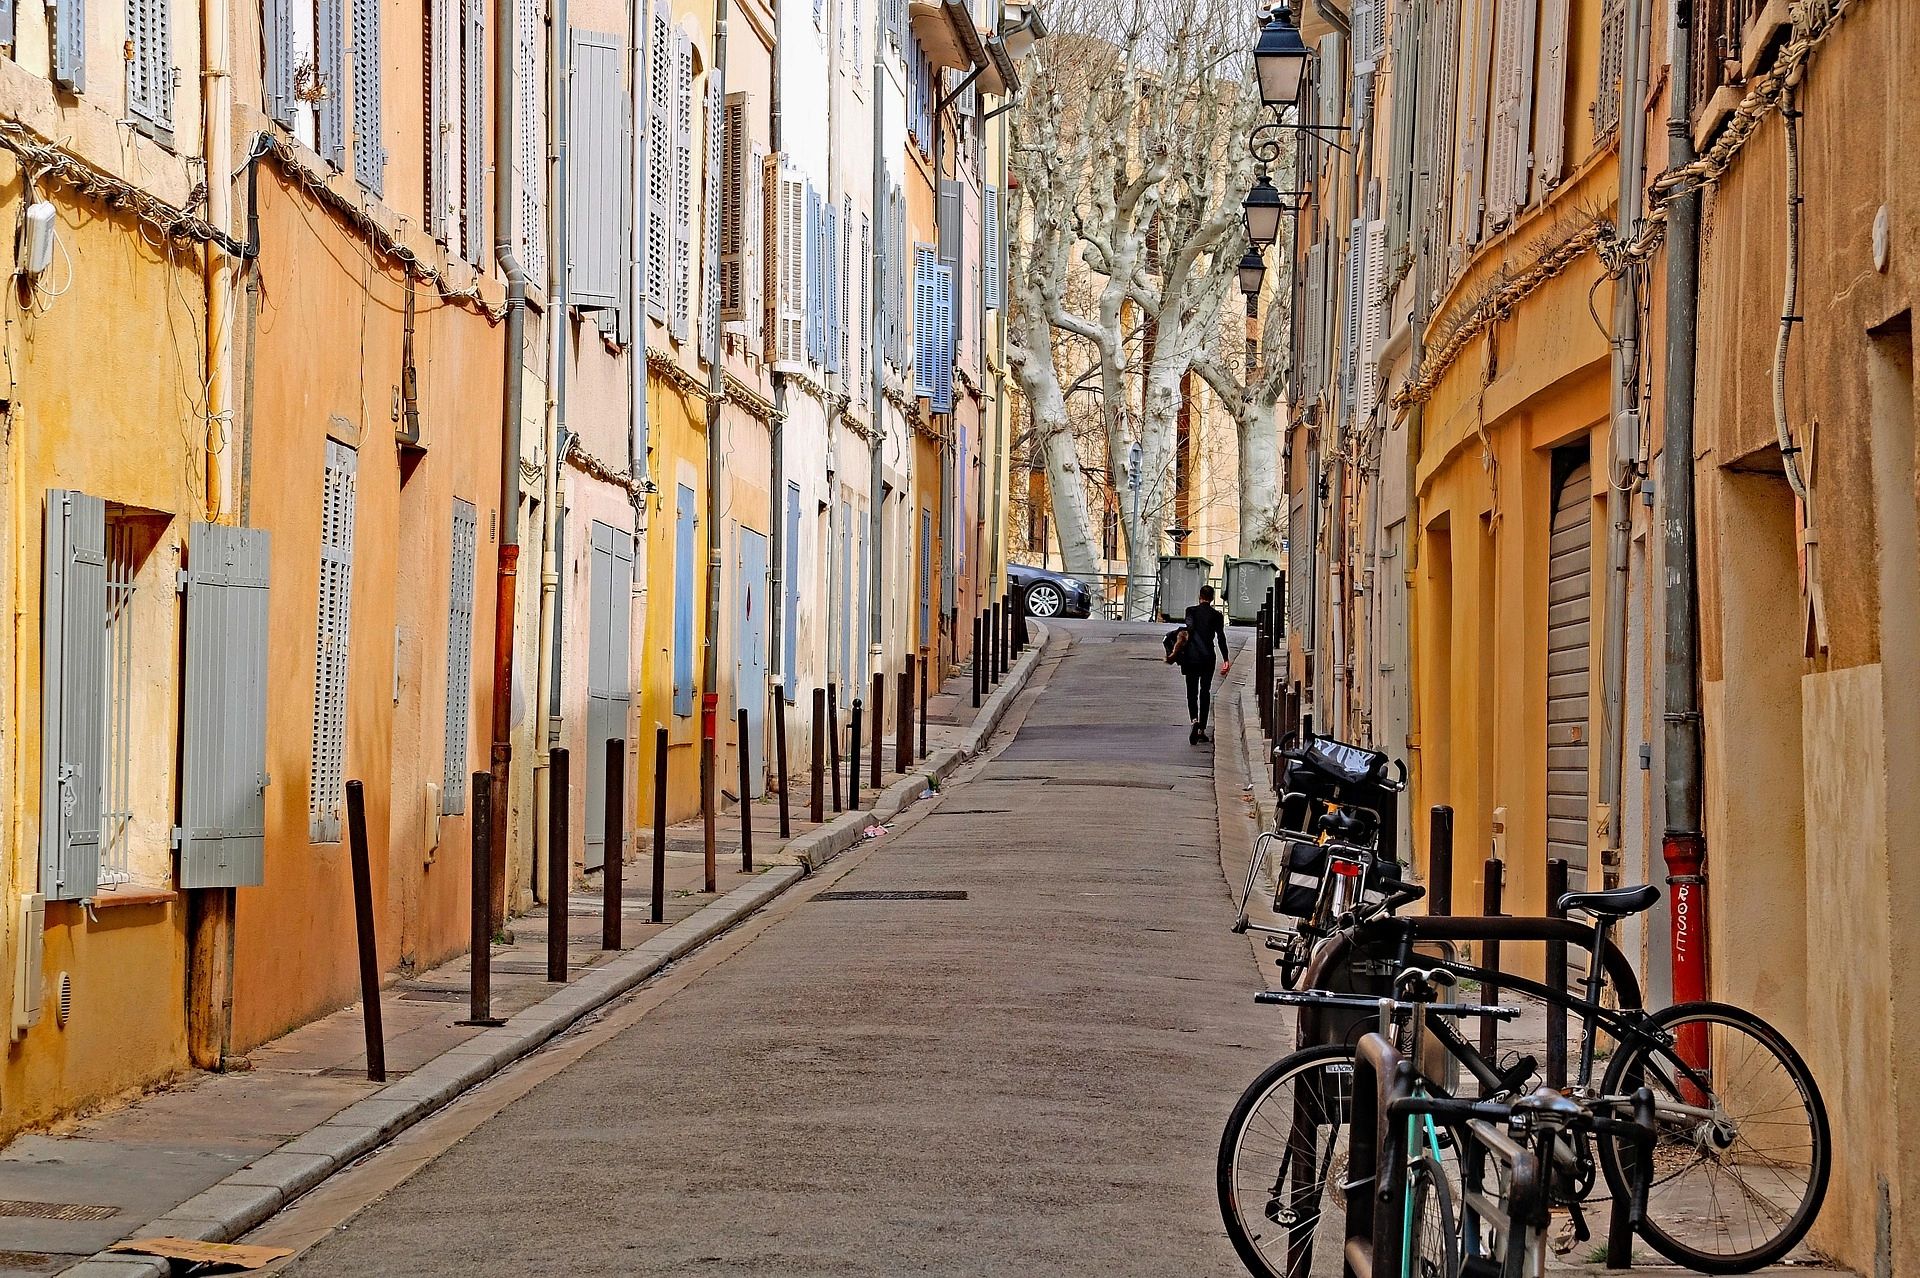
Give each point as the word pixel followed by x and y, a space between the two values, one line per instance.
pixel 70 45
pixel 1468 201
pixel 679 319
pixel 73 692
pixel 223 748
pixel 473 130
pixel 844 247
pixel 710 217
pixel 466 546
pixel 1405 86
pixel 830 261
pixel 369 156
pixel 333 624
pixel 926 319
pixel 609 605
pixel 1605 107
pixel 943 339
pixel 1350 309
pixel 866 304
pixel 947 222
pixel 756 191
pixel 150 62
pixel 811 233
pixel 331 21
pixel 660 164
pixel 1333 79
pixel 1310 354
pixel 990 244
pixel 1550 114
pixel 531 160
pixel 438 67
pixel 596 172
pixel 277 37
pixel 790 255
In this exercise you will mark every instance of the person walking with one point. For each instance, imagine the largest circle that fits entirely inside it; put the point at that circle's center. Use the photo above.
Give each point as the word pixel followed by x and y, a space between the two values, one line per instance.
pixel 1206 628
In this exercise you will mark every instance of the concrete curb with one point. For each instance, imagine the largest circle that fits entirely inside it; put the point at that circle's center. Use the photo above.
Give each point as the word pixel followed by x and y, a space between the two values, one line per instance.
pixel 1259 763
pixel 248 1198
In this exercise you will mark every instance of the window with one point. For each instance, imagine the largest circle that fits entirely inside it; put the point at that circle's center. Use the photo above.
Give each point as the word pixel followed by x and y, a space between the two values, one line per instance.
pixel 328 79
pixel 116 819
pixel 150 63
pixel 466 526
pixel 926 577
pixel 332 630
pixel 597 172
pixel 686 526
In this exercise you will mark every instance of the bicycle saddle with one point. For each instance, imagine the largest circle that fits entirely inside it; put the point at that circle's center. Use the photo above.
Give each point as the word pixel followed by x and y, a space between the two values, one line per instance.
pixel 1615 903
pixel 1550 1105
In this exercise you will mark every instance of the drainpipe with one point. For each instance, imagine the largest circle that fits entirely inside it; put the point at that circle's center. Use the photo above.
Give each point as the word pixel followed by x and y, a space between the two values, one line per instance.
pixel 637 424
pixel 1684 845
pixel 876 483
pixel 218 136
pixel 1002 455
pixel 777 620
pixel 511 397
pixel 546 690
pixel 716 392
pixel 1623 437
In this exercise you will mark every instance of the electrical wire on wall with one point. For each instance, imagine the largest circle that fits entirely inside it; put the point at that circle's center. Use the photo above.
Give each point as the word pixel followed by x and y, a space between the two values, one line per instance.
pixel 1789 316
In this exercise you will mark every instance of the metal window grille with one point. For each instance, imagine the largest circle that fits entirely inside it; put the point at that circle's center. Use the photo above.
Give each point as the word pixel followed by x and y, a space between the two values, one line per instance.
pixel 332 629
pixel 117 767
pixel 1613 60
pixel 466 536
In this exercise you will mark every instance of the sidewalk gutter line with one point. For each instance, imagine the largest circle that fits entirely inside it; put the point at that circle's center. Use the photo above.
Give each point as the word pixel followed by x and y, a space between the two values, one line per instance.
pixel 245 1200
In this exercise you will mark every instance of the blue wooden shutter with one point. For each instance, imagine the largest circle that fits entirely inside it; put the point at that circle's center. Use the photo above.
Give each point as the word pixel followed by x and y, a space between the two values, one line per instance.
pixel 596 172
pixel 791 639
pixel 609 689
pixel 70 45
pixel 926 576
pixel 990 235
pixel 333 627
pixel 830 260
pixel 926 320
pixel 73 691
pixel 466 542
pixel 223 749
pixel 943 351
pixel 684 585
pixel 848 574
pixel 812 264
pixel 369 156
pixel 150 62
pixel 330 17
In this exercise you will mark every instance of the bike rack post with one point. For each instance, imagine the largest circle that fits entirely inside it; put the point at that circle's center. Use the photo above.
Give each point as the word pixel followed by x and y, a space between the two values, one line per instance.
pixel 1440 861
pixel 877 711
pixel 926 673
pixel 833 740
pixel 818 812
pixel 903 719
pixel 1005 607
pixel 613 862
pixel 1556 978
pixel 780 749
pixel 853 759
pixel 559 861
pixel 364 932
pixel 480 912
pixel 658 912
pixel 1493 874
pixel 746 796
pixel 979 669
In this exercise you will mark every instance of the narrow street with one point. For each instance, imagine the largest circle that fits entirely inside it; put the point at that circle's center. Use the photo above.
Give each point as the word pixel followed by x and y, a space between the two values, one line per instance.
pixel 1022 1072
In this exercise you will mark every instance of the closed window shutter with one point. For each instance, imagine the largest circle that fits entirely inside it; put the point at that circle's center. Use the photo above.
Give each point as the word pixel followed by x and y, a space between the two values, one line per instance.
pixel 277 36
pixel 926 575
pixel 1350 306
pixel 1468 193
pixel 903 301
pixel 531 160
pixel 1310 354
pixel 466 544
pixel 73 693
pixel 437 45
pixel 1550 115
pixel 369 156
pixel 659 164
pixel 1404 84
pixel 830 282
pixel 843 246
pixel 596 170
pixel 473 131
pixel 1333 80
pixel 70 45
pixel 754 233
pixel 926 319
pixel 681 315
pixel 1362 28
pixel 1507 145
pixel 710 217
pixel 733 211
pixel 1373 314
pixel 684 587
pixel 332 632
pixel 866 304
pixel 943 341
pixel 790 303
pixel 990 235
pixel 223 749
pixel 150 62
pixel 330 18
pixel 810 239
pixel 1605 108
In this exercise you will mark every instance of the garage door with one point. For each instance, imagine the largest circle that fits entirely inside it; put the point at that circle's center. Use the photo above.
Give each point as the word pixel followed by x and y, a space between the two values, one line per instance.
pixel 1569 658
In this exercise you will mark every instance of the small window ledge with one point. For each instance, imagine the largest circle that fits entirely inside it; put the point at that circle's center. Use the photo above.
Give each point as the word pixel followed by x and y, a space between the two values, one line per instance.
pixel 133 895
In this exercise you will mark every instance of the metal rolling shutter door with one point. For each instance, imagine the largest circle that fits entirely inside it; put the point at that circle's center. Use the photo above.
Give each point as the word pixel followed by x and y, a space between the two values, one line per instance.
pixel 1569 660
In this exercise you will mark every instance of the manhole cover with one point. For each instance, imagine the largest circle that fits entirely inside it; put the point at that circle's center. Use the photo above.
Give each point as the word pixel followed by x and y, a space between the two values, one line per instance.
pixel 892 896
pixel 56 1211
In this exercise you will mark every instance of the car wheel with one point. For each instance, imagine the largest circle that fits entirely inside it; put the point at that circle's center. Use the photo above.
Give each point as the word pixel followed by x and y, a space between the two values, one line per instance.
pixel 1043 600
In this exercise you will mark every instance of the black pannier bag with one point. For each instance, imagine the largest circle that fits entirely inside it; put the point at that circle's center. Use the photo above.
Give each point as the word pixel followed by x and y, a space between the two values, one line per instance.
pixel 1323 770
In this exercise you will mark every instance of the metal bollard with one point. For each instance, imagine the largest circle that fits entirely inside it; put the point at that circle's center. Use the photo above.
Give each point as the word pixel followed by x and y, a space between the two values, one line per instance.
pixel 926 668
pixel 1556 977
pixel 364 933
pixel 993 643
pixel 853 759
pixel 1493 874
pixel 658 912
pixel 480 908
pixel 746 796
pixel 833 740
pixel 709 788
pixel 613 863
pixel 1005 612
pixel 979 669
pixel 780 749
pixel 903 719
pixel 1440 861
pixel 559 861
pixel 818 812
pixel 878 712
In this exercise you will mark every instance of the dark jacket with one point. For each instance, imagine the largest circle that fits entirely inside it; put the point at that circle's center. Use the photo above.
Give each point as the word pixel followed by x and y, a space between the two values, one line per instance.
pixel 1206 629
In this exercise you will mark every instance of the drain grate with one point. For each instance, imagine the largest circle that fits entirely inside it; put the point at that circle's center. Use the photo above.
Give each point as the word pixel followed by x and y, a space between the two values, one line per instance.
pixel 947 895
pixel 433 994
pixel 32 1260
pixel 1112 784
pixel 56 1211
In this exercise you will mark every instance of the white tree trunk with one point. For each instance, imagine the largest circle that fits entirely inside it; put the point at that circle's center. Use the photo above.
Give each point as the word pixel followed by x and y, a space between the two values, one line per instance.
pixel 1259 434
pixel 1160 410
pixel 1066 486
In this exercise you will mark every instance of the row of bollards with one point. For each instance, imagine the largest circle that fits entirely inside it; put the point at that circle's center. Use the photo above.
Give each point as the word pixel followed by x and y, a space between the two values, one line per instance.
pixel 999 637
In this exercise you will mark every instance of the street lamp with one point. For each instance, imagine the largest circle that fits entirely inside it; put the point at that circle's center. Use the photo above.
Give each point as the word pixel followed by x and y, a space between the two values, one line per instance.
pixel 1253 273
pixel 1280 58
pixel 1263 207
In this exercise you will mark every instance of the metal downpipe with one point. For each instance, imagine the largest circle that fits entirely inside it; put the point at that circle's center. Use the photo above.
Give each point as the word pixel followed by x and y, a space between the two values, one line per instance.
pixel 876 483
pixel 716 394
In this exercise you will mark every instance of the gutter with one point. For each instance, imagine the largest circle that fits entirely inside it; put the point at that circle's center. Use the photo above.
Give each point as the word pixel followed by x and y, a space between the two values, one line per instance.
pixel 876 482
pixel 777 620
pixel 716 396
pixel 217 128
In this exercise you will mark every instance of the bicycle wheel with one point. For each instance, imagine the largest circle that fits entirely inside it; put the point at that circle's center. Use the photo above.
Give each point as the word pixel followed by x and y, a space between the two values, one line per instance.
pixel 1433 1242
pixel 1283 1157
pixel 1739 1177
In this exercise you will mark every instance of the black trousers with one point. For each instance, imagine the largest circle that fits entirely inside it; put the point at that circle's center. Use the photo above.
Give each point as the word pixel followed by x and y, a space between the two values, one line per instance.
pixel 1200 694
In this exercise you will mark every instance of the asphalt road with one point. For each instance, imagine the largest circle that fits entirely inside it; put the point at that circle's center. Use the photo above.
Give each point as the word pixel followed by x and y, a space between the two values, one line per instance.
pixel 1028 1081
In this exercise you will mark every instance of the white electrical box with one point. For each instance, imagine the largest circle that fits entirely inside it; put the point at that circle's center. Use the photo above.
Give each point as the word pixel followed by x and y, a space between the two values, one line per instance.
pixel 29 982
pixel 36 240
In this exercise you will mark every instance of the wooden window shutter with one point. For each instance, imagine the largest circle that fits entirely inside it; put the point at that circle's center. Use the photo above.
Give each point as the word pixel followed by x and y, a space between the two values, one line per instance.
pixel 926 319
pixel 680 313
pixel 70 44
pixel 810 247
pixel 866 307
pixel 1373 310
pixel 1332 72
pixel 659 163
pixel 277 37
pixel 787 294
pixel 1350 306
pixel 753 235
pixel 1361 26
pixel 990 246
pixel 710 218
pixel 1310 319
pixel 1468 201
pixel 73 693
pixel 369 155
pixel 223 749
pixel 734 220
pixel 1550 114
pixel 438 42
pixel 530 162
pixel 333 623
pixel 150 63
pixel 459 712
pixel 330 19
pixel 596 172
pixel 473 131
pixel 944 341
pixel 844 247
pixel 830 283
pixel 1406 85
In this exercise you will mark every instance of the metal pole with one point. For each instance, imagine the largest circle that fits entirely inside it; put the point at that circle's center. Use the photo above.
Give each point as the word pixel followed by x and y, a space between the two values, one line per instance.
pixel 853 759
pixel 658 912
pixel 780 747
pixel 746 797
pixel 1440 861
pixel 903 719
pixel 926 668
pixel 613 864
pixel 878 711
pixel 709 760
pixel 994 640
pixel 1493 872
pixel 559 861
pixel 480 909
pixel 1006 634
pixel 817 813
pixel 364 933
pixel 1557 978
pixel 833 740
pixel 978 665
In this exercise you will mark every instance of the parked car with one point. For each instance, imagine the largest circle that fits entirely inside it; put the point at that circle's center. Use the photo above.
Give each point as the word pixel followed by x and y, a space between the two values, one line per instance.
pixel 1050 594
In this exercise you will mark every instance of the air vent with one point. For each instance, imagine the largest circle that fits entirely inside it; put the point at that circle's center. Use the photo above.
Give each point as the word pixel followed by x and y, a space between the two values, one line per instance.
pixel 63 1005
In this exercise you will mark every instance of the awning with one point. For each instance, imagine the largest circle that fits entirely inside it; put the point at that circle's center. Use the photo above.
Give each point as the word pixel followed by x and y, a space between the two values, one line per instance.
pixel 946 31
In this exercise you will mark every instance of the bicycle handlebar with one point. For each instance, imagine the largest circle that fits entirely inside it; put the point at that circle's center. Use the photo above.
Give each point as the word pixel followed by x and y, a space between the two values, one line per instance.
pixel 1367 1003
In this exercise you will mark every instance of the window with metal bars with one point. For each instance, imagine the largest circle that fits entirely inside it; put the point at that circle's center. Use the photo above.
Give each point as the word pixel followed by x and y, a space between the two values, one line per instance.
pixel 116 791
